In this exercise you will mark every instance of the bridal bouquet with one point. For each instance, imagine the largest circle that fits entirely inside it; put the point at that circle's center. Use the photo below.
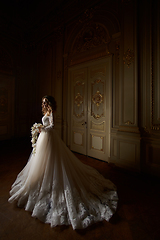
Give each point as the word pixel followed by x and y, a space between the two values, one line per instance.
pixel 35 133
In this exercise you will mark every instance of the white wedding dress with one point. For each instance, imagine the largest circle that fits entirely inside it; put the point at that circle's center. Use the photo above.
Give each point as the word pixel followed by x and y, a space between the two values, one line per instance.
pixel 58 188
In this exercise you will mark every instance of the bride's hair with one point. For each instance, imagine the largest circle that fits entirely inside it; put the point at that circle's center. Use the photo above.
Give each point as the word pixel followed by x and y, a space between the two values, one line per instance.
pixel 52 105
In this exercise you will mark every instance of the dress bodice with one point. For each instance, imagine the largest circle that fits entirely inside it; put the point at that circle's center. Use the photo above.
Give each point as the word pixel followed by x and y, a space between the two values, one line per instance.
pixel 47 121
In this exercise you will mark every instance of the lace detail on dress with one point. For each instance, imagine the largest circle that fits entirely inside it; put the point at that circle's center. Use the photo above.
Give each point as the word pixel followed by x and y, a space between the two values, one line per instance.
pixel 58 206
pixel 65 207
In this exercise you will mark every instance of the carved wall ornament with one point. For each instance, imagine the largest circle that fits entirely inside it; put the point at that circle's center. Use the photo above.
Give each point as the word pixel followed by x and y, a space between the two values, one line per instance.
pixel 155 128
pixel 78 99
pixel 79 115
pixel 128 122
pixel 128 57
pixel 91 37
pixel 97 98
pixel 147 130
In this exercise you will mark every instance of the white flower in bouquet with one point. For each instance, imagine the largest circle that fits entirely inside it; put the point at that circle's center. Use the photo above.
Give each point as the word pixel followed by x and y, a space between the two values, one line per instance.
pixel 35 133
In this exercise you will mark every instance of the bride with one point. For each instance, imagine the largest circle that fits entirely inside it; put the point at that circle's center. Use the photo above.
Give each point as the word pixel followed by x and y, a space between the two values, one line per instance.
pixel 56 187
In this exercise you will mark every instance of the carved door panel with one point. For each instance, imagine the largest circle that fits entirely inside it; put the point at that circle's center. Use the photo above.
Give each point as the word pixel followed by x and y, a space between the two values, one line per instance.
pixel 91 107
pixel 6 106
pixel 99 78
pixel 79 110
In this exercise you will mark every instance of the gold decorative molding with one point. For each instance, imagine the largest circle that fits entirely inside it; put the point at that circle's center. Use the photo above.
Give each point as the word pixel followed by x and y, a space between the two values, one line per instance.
pixel 155 128
pixel 128 57
pixel 97 98
pixel 91 37
pixel 146 130
pixel 128 122
pixel 96 116
pixel 78 99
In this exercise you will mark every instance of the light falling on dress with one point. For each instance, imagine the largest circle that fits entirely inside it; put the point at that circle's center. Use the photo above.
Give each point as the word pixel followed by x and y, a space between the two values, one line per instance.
pixel 59 189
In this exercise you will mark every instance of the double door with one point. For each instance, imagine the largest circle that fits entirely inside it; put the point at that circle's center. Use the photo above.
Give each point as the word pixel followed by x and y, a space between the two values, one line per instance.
pixel 90 109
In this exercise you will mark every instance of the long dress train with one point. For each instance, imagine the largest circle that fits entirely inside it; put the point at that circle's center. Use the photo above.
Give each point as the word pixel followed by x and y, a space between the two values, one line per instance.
pixel 59 189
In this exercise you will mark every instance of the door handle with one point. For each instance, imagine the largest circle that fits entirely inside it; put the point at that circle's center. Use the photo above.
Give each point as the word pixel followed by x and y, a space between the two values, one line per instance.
pixel 84 123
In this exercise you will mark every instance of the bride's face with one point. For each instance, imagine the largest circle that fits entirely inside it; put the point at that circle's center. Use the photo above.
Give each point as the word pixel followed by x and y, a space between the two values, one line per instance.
pixel 44 103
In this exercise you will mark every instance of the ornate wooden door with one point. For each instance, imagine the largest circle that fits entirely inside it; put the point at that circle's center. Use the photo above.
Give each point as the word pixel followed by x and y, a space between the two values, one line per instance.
pixel 91 108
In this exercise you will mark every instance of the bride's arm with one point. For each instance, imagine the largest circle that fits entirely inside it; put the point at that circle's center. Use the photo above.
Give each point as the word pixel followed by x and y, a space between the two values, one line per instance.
pixel 51 124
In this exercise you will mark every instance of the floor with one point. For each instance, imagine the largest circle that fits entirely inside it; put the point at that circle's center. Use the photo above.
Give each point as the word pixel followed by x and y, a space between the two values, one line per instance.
pixel 137 216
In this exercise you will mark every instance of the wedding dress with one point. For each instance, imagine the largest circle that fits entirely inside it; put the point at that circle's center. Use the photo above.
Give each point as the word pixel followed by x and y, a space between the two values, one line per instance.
pixel 58 188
